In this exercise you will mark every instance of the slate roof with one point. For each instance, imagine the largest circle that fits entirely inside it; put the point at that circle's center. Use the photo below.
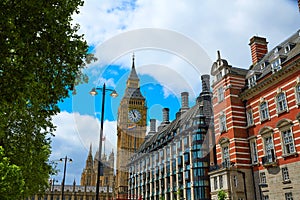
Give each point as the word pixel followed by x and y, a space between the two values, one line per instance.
pixel 276 52
pixel 168 132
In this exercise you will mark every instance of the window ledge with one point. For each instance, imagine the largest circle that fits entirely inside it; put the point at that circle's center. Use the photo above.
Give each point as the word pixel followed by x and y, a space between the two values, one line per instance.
pixel 286 181
pixel 285 156
pixel 262 185
pixel 282 111
pixel 223 131
pixel 270 164
pixel 255 164
pixel 264 120
pixel 251 125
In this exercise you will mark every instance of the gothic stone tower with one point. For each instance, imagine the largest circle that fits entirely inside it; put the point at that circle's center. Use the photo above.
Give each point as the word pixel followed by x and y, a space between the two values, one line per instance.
pixel 131 131
pixel 89 173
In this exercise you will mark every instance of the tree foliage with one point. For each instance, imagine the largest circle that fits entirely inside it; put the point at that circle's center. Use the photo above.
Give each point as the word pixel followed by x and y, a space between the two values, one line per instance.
pixel 41 55
pixel 222 195
pixel 11 181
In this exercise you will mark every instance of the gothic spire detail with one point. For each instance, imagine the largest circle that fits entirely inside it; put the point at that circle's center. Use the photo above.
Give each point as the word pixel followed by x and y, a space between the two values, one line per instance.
pixel 133 75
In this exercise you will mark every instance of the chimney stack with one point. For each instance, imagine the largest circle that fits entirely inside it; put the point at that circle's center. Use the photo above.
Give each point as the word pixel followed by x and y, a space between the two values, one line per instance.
pixel 152 125
pixel 184 101
pixel 165 115
pixel 205 83
pixel 259 48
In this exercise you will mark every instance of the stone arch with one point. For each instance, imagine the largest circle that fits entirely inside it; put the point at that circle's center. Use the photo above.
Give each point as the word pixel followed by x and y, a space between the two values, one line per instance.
pixel 284 122
pixel 223 140
pixel 265 129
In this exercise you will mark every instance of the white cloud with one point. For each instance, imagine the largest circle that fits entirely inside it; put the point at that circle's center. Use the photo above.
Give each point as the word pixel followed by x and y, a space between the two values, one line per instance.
pixel 211 24
pixel 73 137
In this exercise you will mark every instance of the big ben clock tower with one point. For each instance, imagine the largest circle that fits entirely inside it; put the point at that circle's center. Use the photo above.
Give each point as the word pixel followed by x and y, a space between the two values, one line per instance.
pixel 131 131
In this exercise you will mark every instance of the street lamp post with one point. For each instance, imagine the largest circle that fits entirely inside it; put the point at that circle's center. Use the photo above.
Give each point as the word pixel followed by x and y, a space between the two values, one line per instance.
pixel 64 177
pixel 93 93
pixel 52 190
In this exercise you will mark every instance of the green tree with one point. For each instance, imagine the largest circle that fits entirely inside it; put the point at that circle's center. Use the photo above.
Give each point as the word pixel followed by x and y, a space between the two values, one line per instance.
pixel 42 56
pixel 222 195
pixel 11 181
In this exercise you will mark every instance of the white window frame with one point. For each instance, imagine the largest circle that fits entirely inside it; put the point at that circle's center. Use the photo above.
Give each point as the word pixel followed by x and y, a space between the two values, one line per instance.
pixel 252 81
pixel 235 181
pixel 288 196
pixel 222 122
pixel 281 104
pixel 297 93
pixel 276 65
pixel 219 76
pixel 288 142
pixel 269 146
pixel 220 91
pixel 262 178
pixel 254 152
pixel 250 119
pixel 225 155
pixel 264 112
pixel 287 48
pixel 285 174
pixel 215 183
pixel 221 184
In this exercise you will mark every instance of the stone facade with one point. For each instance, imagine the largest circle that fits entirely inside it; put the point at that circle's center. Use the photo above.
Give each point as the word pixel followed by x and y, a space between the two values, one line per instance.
pixel 173 162
pixel 89 173
pixel 74 192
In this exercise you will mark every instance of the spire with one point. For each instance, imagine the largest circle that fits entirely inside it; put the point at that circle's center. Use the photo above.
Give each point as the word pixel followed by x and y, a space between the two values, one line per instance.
pixel 90 151
pixel 133 66
pixel 133 75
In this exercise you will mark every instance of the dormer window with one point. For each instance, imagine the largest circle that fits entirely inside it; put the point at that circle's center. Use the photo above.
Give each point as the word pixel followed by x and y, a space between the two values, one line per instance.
pixel 287 48
pixel 276 50
pixel 252 81
pixel 276 65
pixel 264 64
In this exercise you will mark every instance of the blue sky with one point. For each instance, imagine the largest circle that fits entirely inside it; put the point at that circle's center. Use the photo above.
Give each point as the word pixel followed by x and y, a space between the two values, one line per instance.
pixel 174 43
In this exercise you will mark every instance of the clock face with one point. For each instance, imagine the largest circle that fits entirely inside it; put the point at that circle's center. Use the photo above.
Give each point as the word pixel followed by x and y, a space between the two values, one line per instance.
pixel 134 115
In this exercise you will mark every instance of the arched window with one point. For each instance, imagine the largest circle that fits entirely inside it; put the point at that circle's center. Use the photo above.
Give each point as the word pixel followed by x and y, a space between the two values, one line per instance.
pixel 224 144
pixel 281 103
pixel 264 111
pixel 287 138
pixel 269 150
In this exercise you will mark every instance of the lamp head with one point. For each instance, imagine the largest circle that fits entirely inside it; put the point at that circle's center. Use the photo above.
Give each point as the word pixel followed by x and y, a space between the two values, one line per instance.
pixel 93 92
pixel 114 94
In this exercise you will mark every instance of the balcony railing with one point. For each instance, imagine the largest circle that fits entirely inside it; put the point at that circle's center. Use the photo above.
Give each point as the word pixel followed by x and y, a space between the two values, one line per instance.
pixel 269 160
pixel 222 165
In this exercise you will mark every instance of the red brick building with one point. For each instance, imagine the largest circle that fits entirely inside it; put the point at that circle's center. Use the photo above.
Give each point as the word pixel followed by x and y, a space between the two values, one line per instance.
pixel 256 117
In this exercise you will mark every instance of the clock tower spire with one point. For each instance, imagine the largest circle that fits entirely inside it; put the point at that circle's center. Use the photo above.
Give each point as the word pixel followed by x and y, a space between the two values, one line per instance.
pixel 131 131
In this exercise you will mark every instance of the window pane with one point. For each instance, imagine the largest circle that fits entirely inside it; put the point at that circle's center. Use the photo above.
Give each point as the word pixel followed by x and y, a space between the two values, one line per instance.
pixel 288 142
